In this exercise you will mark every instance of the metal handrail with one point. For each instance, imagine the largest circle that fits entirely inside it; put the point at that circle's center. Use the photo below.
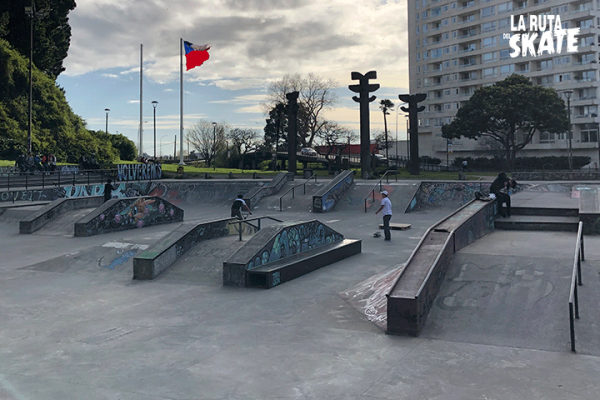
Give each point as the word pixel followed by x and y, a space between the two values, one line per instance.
pixel 292 189
pixel 247 221
pixel 576 281
pixel 372 191
pixel 58 177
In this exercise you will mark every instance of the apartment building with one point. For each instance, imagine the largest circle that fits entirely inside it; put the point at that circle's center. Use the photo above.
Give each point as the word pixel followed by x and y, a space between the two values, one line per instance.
pixel 457 47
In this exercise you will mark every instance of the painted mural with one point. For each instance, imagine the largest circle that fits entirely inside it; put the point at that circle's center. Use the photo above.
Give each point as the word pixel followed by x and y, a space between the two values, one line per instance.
pixel 131 214
pixel 449 194
pixel 220 192
pixel 327 201
pixel 133 172
pixel 294 239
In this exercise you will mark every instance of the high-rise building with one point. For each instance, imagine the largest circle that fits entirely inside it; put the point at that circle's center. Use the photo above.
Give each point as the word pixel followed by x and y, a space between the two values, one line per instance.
pixel 457 47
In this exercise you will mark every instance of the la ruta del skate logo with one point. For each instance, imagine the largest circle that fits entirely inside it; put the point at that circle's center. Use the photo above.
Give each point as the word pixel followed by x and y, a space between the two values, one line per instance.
pixel 553 38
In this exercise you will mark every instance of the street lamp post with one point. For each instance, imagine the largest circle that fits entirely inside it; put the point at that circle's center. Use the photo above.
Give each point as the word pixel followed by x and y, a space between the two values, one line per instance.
pixel 407 138
pixel 214 160
pixel 568 94
pixel 106 126
pixel 154 104
pixel 397 108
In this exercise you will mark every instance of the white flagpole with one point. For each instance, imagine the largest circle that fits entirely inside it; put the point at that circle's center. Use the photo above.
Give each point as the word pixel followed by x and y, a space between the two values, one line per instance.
pixel 181 101
pixel 141 97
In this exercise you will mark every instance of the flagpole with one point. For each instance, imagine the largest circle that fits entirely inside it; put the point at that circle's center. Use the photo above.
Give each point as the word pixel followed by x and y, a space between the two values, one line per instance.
pixel 141 97
pixel 181 101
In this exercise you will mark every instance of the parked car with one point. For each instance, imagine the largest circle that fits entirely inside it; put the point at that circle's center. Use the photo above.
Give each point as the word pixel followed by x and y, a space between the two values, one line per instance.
pixel 308 152
pixel 381 159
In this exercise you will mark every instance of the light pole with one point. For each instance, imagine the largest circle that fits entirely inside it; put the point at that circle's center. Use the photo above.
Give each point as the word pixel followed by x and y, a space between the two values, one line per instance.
pixel 32 14
pixel 397 108
pixel 214 160
pixel 154 104
pixel 407 138
pixel 568 94
pixel 106 127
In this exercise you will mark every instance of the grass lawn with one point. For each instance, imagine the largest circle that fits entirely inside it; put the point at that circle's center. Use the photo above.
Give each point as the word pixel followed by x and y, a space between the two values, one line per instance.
pixel 193 171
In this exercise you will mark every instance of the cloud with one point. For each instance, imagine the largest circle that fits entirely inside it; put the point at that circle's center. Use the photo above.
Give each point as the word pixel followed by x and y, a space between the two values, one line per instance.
pixel 253 41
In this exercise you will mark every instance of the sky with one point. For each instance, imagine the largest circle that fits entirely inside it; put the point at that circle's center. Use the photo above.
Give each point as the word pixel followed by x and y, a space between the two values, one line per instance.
pixel 254 43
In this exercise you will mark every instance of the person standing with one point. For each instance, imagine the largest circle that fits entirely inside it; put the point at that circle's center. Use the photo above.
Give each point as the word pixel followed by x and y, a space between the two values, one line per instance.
pixel 236 207
pixel 386 209
pixel 108 188
pixel 500 190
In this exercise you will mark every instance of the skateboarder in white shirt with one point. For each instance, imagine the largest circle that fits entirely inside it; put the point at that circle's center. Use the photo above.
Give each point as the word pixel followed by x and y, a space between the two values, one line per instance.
pixel 386 207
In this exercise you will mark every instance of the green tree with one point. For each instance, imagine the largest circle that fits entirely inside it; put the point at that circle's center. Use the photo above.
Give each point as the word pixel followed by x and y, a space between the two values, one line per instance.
pixel 275 132
pixel 386 105
pixel 52 32
pixel 55 129
pixel 509 112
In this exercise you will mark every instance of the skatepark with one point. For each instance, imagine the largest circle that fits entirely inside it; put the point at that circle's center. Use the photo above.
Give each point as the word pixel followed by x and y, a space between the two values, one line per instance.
pixel 75 325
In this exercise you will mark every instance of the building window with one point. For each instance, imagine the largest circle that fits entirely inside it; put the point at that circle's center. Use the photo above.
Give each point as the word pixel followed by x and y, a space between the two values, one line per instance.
pixel 504 54
pixel 487 11
pixel 488 42
pixel 507 69
pixel 488 26
pixel 490 72
pixel 546 137
pixel 490 57
pixel 505 7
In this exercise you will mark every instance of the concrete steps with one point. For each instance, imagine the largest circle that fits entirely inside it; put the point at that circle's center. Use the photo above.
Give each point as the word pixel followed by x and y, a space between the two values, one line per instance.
pixel 540 219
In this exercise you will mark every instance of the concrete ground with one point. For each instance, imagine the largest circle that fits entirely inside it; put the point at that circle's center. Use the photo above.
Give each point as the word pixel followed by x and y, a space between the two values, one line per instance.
pixel 74 325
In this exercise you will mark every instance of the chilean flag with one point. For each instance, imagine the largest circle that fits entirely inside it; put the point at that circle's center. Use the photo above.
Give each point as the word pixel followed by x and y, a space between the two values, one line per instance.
pixel 195 54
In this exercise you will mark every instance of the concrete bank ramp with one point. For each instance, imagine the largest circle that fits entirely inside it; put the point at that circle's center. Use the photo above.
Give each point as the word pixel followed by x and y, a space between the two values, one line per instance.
pixel 64 224
pixel 294 200
pixel 400 194
pixel 203 264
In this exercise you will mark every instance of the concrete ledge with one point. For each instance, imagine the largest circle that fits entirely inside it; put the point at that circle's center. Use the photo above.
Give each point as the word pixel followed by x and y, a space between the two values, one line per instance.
pixel 328 196
pixel 160 256
pixel 56 208
pixel 300 264
pixel 128 213
pixel 415 290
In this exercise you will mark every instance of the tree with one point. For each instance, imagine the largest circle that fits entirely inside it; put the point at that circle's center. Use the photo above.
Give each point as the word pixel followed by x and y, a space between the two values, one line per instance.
pixel 52 32
pixel 509 112
pixel 207 138
pixel 335 139
pixel 55 129
pixel 316 95
pixel 386 106
pixel 276 128
pixel 243 141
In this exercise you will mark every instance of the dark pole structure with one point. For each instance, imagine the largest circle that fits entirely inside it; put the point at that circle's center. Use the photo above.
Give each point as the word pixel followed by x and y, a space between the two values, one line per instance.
pixel 30 11
pixel 568 94
pixel 363 89
pixel 154 104
pixel 106 110
pixel 412 110
pixel 214 157
pixel 292 129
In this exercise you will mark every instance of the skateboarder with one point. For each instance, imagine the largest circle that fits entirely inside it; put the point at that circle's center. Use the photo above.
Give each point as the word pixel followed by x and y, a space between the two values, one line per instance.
pixel 236 207
pixel 386 207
